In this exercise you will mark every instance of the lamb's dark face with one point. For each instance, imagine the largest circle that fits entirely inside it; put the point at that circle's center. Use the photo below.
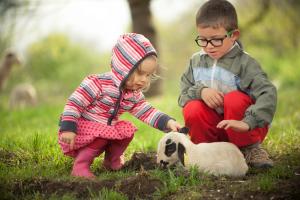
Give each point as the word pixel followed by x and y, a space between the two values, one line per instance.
pixel 170 150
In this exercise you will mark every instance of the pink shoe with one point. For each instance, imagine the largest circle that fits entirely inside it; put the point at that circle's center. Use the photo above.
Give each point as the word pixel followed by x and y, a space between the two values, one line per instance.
pixel 114 165
pixel 83 161
pixel 117 163
pixel 114 157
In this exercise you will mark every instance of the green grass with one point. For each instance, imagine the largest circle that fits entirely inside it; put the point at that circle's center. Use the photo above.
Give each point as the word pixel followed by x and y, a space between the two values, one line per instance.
pixel 29 150
pixel 107 194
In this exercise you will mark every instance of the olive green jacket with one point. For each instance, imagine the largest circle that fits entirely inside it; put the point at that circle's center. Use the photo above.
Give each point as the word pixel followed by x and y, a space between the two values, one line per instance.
pixel 236 70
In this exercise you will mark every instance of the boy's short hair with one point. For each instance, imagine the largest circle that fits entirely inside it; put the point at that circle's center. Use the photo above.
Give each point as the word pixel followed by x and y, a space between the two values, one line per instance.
pixel 217 13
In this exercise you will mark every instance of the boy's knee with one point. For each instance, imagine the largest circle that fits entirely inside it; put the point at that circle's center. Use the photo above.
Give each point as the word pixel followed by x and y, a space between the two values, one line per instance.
pixel 193 109
pixel 237 101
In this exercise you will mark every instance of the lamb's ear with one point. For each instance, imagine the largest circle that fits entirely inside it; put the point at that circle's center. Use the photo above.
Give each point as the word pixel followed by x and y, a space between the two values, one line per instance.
pixel 184 130
pixel 170 147
pixel 181 152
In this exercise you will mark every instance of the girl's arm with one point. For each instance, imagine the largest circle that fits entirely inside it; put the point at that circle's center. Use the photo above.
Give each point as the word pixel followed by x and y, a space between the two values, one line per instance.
pixel 145 112
pixel 81 98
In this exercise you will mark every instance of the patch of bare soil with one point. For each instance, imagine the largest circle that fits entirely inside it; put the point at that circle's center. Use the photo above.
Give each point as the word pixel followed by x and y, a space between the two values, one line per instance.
pixel 141 186
pixel 141 160
pixel 284 190
pixel 222 188
pixel 59 187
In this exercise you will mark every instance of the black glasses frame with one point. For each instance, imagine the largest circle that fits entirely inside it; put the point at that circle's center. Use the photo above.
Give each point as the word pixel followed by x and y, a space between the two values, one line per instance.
pixel 211 41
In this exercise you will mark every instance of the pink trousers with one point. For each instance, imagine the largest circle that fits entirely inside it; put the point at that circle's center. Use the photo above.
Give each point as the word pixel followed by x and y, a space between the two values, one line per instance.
pixel 202 121
pixel 94 138
pixel 114 150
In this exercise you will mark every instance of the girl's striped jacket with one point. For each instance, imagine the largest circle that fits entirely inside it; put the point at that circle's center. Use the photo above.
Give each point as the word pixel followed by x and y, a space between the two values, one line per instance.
pixel 100 98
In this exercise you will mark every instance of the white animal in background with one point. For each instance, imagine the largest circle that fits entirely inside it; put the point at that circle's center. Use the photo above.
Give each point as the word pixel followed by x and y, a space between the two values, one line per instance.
pixel 23 95
pixel 217 158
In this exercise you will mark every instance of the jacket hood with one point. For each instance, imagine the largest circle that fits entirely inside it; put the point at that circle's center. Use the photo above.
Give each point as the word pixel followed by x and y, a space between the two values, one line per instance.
pixel 130 50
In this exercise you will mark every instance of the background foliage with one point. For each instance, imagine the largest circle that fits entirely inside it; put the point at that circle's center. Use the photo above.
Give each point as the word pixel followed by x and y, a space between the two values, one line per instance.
pixel 61 63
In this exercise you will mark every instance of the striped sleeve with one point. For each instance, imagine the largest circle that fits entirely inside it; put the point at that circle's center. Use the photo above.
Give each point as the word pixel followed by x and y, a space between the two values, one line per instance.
pixel 82 97
pixel 150 115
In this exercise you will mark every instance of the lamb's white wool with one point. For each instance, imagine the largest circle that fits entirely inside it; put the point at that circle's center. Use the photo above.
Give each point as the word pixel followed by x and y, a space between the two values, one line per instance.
pixel 23 95
pixel 217 158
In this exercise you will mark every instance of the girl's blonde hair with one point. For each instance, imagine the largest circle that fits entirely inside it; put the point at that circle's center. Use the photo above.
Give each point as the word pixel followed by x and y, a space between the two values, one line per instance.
pixel 153 77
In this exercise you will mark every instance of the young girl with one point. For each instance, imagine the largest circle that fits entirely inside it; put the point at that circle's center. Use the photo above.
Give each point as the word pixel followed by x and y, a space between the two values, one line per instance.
pixel 90 122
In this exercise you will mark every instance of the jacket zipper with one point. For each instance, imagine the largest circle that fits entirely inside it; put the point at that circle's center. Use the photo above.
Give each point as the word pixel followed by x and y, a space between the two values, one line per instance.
pixel 116 108
pixel 213 73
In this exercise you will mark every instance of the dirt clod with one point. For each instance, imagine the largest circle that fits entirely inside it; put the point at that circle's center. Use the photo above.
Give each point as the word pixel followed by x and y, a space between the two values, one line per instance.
pixel 139 160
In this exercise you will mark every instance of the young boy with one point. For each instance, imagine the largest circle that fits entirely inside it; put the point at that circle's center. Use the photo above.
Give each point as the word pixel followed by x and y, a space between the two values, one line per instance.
pixel 225 95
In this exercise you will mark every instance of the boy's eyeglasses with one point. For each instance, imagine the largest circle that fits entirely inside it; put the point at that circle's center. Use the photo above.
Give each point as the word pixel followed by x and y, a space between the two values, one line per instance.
pixel 216 42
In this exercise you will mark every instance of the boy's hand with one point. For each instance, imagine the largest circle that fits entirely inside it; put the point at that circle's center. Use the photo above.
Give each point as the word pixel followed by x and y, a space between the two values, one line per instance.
pixel 173 125
pixel 238 126
pixel 69 138
pixel 212 97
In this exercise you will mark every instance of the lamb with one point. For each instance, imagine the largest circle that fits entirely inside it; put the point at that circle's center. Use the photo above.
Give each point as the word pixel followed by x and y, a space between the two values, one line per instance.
pixel 217 158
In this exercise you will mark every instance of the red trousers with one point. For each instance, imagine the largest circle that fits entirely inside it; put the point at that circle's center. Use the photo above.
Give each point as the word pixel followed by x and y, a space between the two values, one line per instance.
pixel 202 121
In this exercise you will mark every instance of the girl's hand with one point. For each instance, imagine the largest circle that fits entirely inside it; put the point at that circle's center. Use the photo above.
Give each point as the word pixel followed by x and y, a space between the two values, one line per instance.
pixel 238 126
pixel 69 138
pixel 212 97
pixel 173 125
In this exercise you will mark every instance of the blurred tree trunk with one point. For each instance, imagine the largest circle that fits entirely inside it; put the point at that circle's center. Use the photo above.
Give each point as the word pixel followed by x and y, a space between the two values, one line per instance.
pixel 7 13
pixel 142 23
pixel 10 12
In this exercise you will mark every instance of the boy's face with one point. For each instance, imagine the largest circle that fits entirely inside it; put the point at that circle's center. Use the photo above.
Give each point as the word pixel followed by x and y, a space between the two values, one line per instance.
pixel 219 34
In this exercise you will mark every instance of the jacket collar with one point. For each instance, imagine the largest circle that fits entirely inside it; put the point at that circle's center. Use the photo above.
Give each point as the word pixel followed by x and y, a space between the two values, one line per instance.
pixel 236 49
